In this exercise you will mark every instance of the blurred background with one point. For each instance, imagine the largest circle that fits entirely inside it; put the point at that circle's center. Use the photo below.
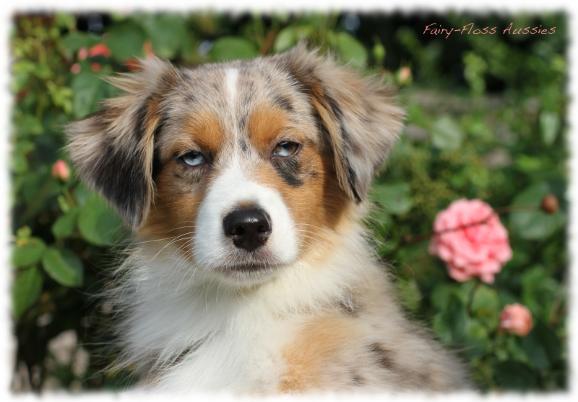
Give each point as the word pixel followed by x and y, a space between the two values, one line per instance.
pixel 486 118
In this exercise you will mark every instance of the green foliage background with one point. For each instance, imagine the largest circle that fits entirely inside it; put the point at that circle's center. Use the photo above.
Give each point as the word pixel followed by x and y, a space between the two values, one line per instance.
pixel 486 119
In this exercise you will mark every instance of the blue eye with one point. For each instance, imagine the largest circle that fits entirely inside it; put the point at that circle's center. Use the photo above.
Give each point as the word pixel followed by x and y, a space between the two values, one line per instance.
pixel 286 148
pixel 193 159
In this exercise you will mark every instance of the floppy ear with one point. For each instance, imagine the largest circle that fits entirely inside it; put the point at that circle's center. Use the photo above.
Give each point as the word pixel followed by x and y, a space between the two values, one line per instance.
pixel 113 148
pixel 357 116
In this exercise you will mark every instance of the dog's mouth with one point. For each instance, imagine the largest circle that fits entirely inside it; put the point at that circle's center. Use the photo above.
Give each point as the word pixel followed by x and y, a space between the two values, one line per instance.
pixel 250 273
pixel 247 268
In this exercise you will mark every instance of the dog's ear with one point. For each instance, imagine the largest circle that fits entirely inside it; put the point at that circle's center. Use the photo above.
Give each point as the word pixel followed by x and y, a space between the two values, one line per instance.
pixel 113 149
pixel 356 115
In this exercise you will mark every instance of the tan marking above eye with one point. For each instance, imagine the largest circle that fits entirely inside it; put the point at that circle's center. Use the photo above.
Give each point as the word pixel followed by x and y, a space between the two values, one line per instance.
pixel 265 124
pixel 205 130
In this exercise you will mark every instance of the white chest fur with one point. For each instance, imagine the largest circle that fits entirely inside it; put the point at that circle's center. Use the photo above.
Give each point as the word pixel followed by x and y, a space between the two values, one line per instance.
pixel 204 336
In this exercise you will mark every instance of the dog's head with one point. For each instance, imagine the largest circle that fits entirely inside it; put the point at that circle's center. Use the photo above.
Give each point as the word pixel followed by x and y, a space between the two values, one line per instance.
pixel 242 165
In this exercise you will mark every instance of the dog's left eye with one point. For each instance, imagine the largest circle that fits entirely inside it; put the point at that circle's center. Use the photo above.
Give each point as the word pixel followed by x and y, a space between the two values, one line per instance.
pixel 193 158
pixel 286 148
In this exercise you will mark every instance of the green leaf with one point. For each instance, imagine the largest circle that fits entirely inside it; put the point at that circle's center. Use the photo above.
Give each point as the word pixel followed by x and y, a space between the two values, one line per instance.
pixel 514 350
pixel 512 375
pixel 287 38
pixel 395 198
pixel 25 290
pixel 28 253
pixel 476 338
pixel 450 324
pixel 76 40
pixel 65 20
pixel 446 134
pixel 441 328
pixel 29 124
pixel 88 90
pixel 23 233
pixel 528 221
pixel 549 126
pixel 539 291
pixel 441 294
pixel 290 36
pixel 167 32
pixel 350 50
pixel 378 52
pixel 486 306
pixel 98 223
pixel 64 225
pixel 534 348
pixel 553 344
pixel 64 267
pixel 232 48
pixel 125 40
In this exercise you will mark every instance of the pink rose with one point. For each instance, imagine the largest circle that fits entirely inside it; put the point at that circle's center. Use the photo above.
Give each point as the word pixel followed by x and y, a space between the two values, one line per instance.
pixel 60 170
pixel 404 75
pixel 82 53
pixel 99 50
pixel 516 319
pixel 96 67
pixel 471 240
pixel 75 68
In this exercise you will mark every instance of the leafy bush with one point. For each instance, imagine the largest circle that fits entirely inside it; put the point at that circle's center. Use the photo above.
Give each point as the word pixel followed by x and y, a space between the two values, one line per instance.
pixel 485 119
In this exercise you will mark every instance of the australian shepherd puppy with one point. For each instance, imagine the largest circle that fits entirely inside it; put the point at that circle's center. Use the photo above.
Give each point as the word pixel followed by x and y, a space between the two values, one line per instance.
pixel 245 185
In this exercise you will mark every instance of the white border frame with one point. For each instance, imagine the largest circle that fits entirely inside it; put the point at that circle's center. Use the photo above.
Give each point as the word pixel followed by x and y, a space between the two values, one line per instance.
pixel 8 8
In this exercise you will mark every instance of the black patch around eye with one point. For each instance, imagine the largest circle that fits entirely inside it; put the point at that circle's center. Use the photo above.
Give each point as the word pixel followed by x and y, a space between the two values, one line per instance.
pixel 289 169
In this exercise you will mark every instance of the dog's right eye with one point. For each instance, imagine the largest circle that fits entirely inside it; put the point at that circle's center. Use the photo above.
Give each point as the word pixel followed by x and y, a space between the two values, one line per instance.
pixel 193 158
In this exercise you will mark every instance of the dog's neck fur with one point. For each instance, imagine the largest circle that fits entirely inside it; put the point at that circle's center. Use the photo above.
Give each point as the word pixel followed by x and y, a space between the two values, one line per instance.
pixel 177 316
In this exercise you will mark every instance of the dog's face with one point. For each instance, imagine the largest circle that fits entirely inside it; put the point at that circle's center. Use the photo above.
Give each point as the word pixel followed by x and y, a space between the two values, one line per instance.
pixel 242 165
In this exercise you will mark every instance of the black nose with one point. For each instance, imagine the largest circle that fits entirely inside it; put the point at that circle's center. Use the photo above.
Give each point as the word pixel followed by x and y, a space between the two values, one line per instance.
pixel 249 228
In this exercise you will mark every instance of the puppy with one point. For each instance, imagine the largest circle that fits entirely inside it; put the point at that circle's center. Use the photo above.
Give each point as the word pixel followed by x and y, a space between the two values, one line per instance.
pixel 245 186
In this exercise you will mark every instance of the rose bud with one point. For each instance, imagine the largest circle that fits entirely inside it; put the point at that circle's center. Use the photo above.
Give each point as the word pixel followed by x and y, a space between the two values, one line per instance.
pixel 99 50
pixel 516 319
pixel 96 67
pixel 60 170
pixel 404 75
pixel 75 68
pixel 82 53
pixel 550 204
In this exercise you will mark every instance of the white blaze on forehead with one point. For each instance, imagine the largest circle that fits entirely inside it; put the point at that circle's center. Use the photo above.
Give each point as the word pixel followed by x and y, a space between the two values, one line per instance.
pixel 231 76
pixel 229 190
pixel 231 82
